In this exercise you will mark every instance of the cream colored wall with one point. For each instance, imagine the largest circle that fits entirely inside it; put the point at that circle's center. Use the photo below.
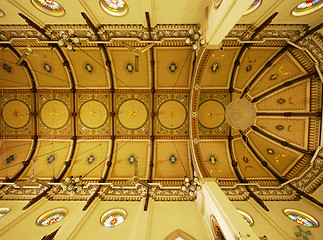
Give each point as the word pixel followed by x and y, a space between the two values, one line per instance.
pixel 274 224
pixel 160 220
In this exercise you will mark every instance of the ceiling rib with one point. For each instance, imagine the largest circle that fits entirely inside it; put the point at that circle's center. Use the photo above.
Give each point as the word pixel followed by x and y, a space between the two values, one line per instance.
pixel 291 114
pixel 304 194
pixel 283 143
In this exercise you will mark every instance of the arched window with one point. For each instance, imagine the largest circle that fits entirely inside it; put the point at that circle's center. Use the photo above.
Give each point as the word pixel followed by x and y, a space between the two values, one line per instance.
pixel 301 218
pixel 216 230
pixel 307 7
pixel 247 218
pixel 113 218
pixel 51 217
pixel 179 234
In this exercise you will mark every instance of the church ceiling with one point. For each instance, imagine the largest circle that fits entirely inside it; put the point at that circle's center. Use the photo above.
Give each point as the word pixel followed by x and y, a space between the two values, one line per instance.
pixel 89 113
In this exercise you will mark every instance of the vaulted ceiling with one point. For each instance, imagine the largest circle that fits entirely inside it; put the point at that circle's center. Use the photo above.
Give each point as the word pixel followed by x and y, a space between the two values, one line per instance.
pixel 89 113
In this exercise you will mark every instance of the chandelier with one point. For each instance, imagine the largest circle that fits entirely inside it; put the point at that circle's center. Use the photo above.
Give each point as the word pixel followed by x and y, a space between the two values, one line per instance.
pixel 195 39
pixel 191 186
pixel 72 185
pixel 68 40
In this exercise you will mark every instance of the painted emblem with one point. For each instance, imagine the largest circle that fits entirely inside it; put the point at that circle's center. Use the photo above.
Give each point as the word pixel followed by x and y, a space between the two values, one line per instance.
pixel 90 159
pixel 248 69
pixel 51 158
pixel 10 159
pixel 213 160
pixel 88 67
pixel 280 127
pixel 245 159
pixel 270 151
pixel 172 67
pixel 130 67
pixel 7 68
pixel 214 67
pixel 273 77
pixel 281 101
pixel 47 67
pixel 172 159
pixel 131 159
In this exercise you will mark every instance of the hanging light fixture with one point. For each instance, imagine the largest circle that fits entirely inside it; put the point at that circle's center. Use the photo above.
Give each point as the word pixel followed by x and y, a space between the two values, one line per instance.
pixel 191 186
pixel 72 185
pixel 195 39
pixel 68 40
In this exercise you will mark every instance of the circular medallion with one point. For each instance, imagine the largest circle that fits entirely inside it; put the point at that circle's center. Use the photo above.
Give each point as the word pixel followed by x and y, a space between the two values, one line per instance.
pixel 132 114
pixel 54 114
pixel 51 217
pixel 240 114
pixel 211 114
pixel 114 7
pixel 15 114
pixel 93 114
pixel 49 7
pixel 172 114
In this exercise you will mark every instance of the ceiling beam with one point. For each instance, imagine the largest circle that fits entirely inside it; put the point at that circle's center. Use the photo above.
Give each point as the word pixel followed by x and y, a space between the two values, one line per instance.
pixel 291 114
pixel 37 198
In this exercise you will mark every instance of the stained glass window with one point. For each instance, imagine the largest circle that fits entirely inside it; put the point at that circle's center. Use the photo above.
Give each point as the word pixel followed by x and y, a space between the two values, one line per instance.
pixel 301 218
pixel 1 13
pixel 253 7
pixel 50 7
pixel 247 218
pixel 51 217
pixel 114 7
pixel 113 218
pixel 4 211
pixel 307 7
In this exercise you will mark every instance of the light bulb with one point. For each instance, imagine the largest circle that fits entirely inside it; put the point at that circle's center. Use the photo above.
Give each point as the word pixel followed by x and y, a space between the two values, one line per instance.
pixel 191 32
pixel 79 188
pixel 192 188
pixel 198 187
pixel 78 179
pixel 188 41
pixel 68 179
pixel 186 179
pixel 184 188
pixel 76 40
pixel 194 46
pixel 187 184
pixel 195 179
pixel 196 36
pixel 72 193
pixel 61 33
pixel 191 193
pixel 202 41
pixel 61 43
pixel 71 32
pixel 64 187
pixel 70 187
pixel 200 32
pixel 69 47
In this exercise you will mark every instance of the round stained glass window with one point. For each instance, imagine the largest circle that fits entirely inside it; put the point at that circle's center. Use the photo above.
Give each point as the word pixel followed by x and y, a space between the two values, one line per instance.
pixel 247 218
pixel 253 7
pixel 4 211
pixel 114 7
pixel 49 7
pixel 113 218
pixel 301 218
pixel 307 7
pixel 51 217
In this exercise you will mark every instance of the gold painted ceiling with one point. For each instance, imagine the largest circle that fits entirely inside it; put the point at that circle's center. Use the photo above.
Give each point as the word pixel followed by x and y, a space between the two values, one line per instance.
pixel 89 113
